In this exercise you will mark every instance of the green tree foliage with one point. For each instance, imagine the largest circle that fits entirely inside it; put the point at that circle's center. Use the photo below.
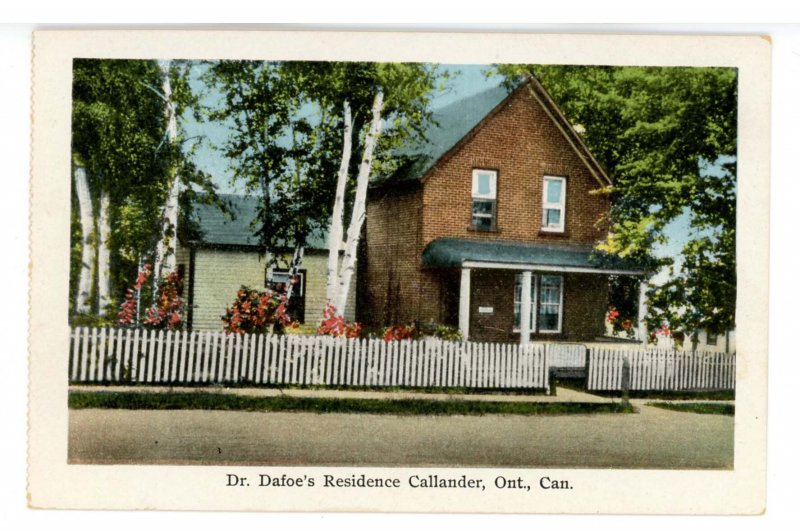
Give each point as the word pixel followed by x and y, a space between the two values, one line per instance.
pixel 286 131
pixel 119 136
pixel 655 130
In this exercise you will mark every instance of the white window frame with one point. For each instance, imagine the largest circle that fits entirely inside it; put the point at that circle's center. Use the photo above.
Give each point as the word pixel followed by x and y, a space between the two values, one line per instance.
pixel 534 301
pixel 491 196
pixel 560 206
pixel 560 305
pixel 273 273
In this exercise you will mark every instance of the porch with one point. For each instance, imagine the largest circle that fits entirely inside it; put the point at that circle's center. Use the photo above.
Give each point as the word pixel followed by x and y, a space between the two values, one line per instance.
pixel 522 291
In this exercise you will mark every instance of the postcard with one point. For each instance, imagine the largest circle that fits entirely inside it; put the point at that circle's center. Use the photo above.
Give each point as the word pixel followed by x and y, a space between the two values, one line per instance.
pixel 399 272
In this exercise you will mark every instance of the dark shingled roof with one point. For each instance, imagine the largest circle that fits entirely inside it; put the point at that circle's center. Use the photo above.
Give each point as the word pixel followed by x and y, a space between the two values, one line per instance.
pixel 219 228
pixel 448 126
pixel 453 252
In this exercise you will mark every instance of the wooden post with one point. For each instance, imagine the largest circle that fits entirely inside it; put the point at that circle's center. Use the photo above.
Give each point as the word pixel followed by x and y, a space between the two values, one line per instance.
pixel 626 379
pixel 463 304
pixel 525 310
pixel 642 325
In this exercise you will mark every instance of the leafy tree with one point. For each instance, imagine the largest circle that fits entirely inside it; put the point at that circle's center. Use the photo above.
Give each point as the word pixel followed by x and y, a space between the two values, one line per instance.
pixel 286 142
pixel 119 140
pixel 656 130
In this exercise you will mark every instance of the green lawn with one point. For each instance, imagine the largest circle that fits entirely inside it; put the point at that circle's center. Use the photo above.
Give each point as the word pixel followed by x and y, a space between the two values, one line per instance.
pixel 112 400
pixel 703 408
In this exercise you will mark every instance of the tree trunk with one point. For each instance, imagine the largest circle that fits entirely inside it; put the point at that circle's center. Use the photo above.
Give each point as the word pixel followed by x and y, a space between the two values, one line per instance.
pixel 103 256
pixel 165 257
pixel 86 273
pixel 336 231
pixel 359 206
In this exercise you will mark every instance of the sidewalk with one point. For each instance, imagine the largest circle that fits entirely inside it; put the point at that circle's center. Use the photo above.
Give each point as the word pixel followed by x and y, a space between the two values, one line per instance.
pixel 563 394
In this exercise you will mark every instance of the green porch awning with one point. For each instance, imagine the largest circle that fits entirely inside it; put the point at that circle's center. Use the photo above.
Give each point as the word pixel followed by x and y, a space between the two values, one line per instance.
pixel 459 252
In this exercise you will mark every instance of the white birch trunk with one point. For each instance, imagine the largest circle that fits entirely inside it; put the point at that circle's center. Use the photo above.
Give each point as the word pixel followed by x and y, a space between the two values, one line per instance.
pixel 103 256
pixel 86 274
pixel 336 231
pixel 359 206
pixel 165 257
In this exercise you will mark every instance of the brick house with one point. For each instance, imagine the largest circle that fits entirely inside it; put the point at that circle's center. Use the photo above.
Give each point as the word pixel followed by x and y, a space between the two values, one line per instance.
pixel 493 218
pixel 226 255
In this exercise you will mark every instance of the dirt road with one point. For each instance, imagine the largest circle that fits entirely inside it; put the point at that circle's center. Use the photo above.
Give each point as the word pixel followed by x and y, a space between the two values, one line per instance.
pixel 652 438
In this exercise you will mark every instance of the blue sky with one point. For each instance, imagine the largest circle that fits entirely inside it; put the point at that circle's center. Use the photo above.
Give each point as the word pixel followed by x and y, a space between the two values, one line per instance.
pixel 465 80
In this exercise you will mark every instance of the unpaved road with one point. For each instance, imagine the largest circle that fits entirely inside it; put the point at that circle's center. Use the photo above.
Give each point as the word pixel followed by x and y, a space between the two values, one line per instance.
pixel 653 438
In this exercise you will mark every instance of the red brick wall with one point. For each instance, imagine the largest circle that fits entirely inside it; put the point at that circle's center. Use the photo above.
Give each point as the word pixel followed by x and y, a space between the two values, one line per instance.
pixel 585 298
pixel 523 144
pixel 390 257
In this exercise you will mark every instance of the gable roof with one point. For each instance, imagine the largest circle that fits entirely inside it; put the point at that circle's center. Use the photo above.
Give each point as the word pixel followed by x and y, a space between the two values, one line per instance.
pixel 237 228
pixel 454 123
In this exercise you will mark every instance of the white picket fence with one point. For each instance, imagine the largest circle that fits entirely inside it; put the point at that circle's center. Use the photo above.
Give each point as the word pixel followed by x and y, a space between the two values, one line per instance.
pixel 566 355
pixel 664 370
pixel 145 356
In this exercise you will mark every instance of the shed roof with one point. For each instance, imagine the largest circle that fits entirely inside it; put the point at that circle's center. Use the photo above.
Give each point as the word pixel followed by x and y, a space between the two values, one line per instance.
pixel 237 228
pixel 456 252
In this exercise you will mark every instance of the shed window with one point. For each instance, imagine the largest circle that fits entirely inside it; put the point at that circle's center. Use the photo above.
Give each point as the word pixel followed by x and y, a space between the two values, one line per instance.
pixel 278 280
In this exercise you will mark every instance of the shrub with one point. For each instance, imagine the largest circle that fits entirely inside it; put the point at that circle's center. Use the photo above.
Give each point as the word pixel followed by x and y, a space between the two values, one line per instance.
pixel 166 313
pixel 256 311
pixel 447 333
pixel 620 324
pixel 401 332
pixel 335 325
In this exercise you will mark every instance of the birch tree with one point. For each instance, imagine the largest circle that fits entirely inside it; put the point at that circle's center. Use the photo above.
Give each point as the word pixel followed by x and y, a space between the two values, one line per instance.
pixel 165 253
pixel 86 264
pixel 117 124
pixel 358 213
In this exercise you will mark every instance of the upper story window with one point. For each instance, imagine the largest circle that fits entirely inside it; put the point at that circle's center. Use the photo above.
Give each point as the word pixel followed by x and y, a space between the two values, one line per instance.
pixel 484 199
pixel 554 192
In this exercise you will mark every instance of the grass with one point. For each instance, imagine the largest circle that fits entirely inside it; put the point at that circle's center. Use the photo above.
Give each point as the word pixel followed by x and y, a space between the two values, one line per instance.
pixel 521 391
pixel 579 384
pixel 702 408
pixel 226 402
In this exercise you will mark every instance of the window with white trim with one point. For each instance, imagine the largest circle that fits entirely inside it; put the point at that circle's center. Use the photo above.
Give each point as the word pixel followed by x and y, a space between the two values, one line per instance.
pixel 484 199
pixel 518 303
pixel 550 303
pixel 547 297
pixel 278 279
pixel 554 192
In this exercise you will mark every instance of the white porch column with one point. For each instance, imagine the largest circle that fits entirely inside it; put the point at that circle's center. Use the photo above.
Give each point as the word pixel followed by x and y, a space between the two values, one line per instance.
pixel 525 310
pixel 463 303
pixel 642 326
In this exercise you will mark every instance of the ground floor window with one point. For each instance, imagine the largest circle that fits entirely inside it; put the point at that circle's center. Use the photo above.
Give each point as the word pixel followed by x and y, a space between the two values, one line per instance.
pixel 546 303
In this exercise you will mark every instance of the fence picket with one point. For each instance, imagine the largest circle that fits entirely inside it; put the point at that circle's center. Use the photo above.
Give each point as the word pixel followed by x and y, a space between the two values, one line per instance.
pixel 117 355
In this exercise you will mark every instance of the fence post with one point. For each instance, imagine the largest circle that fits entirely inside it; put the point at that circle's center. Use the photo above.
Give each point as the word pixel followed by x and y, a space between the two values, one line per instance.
pixel 626 380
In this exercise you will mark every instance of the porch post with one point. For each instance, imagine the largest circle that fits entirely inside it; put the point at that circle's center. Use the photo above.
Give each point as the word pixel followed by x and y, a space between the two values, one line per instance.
pixel 463 304
pixel 642 326
pixel 525 310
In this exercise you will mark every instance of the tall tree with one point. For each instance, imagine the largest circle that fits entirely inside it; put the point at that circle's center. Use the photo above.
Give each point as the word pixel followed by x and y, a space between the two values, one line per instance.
pixel 386 101
pixel 655 130
pixel 286 135
pixel 117 124
pixel 118 137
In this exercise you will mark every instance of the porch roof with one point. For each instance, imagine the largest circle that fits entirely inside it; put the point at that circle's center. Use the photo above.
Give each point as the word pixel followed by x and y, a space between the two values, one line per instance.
pixel 459 252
